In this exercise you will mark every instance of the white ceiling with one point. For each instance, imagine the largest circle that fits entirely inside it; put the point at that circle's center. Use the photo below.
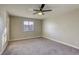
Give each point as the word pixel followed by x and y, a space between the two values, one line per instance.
pixel 26 10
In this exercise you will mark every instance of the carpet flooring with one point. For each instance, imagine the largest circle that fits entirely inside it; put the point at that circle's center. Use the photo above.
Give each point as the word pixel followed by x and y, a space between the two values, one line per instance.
pixel 39 46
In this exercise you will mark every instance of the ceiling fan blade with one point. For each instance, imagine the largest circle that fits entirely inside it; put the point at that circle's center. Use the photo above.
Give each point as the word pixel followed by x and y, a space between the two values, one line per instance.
pixel 42 6
pixel 46 10
pixel 35 13
pixel 35 10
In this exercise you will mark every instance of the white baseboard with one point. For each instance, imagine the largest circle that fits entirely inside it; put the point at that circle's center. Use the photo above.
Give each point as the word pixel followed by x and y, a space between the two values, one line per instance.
pixel 3 48
pixel 62 43
pixel 23 38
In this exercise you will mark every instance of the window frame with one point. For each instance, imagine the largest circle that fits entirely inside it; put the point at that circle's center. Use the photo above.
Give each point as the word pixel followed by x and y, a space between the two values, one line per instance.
pixel 28 26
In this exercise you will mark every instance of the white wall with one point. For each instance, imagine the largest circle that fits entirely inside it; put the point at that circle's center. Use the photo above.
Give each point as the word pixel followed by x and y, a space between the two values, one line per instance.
pixel 1 30
pixel 4 33
pixel 63 28
pixel 17 28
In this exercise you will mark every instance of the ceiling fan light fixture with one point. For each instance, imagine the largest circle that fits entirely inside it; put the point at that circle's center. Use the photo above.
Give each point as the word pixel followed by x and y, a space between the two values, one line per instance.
pixel 40 13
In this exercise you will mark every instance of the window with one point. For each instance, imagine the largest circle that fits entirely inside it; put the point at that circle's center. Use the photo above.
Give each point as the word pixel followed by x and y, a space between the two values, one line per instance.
pixel 28 26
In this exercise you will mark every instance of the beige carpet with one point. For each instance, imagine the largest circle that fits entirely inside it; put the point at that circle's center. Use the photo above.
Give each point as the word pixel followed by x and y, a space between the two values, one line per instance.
pixel 39 46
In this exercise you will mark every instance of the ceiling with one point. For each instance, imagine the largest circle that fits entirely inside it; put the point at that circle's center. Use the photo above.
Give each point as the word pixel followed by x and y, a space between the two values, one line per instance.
pixel 26 10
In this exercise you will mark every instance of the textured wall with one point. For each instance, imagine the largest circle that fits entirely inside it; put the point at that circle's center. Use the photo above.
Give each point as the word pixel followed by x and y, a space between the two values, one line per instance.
pixel 1 30
pixel 17 31
pixel 4 29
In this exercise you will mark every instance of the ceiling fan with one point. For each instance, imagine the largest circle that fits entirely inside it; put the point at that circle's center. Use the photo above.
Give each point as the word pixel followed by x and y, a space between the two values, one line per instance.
pixel 41 11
